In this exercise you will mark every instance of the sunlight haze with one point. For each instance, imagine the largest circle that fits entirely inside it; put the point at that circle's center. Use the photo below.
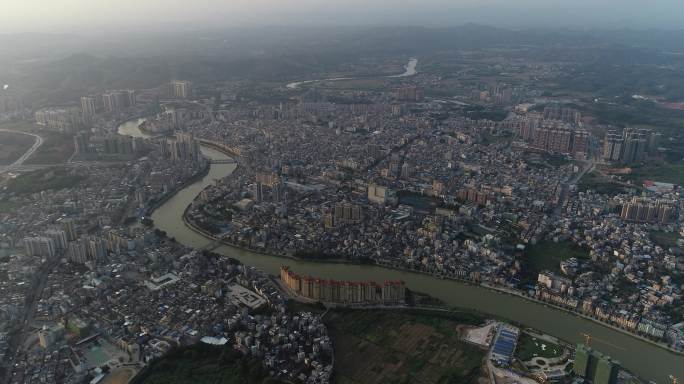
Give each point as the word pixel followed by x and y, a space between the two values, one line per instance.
pixel 73 15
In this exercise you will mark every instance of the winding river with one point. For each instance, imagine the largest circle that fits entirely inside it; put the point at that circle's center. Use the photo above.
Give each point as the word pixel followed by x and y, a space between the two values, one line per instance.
pixel 647 360
pixel 409 70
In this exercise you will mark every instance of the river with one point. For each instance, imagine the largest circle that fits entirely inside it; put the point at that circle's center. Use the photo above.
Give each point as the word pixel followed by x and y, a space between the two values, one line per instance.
pixel 132 128
pixel 645 359
pixel 410 70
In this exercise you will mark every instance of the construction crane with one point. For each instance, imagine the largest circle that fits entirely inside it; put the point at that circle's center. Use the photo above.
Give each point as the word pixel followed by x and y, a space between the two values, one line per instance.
pixel 588 338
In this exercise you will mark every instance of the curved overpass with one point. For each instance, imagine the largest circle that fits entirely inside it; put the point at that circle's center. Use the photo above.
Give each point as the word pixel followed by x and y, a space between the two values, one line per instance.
pixel 20 161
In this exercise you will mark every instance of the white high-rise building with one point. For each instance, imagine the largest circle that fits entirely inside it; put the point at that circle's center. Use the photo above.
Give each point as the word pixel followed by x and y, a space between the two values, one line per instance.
pixel 180 89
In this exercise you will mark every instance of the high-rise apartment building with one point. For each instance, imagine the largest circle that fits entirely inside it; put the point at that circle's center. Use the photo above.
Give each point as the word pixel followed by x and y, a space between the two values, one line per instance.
pixel 631 146
pixel 89 107
pixel 70 228
pixel 61 119
pixel 115 101
pixel 595 366
pixel 58 237
pixel 185 148
pixel 568 115
pixel 40 246
pixel 180 89
pixel 643 210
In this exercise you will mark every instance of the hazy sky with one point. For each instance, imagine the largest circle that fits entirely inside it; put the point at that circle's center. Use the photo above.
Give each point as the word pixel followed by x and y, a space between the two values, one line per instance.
pixel 70 15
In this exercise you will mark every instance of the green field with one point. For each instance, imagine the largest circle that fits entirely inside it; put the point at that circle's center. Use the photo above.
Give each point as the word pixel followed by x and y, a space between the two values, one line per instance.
pixel 666 173
pixel 57 147
pixel 400 347
pixel 665 239
pixel 43 180
pixel 13 145
pixel 24 126
pixel 530 347
pixel 547 255
pixel 7 206
pixel 600 184
pixel 204 364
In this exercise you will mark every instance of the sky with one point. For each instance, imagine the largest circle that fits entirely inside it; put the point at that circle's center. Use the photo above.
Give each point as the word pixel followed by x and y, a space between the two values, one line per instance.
pixel 19 16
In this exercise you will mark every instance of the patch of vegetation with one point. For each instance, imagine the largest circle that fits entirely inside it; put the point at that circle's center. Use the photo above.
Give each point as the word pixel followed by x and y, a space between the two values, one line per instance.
pixel 13 145
pixel 202 363
pixel 556 160
pixel 57 148
pixel 477 112
pixel 7 206
pixel 43 180
pixel 530 347
pixel 547 255
pixel 545 160
pixel 488 138
pixel 665 173
pixel 665 239
pixel 628 112
pixel 20 125
pixel 296 307
pixel 418 201
pixel 403 347
pixel 600 184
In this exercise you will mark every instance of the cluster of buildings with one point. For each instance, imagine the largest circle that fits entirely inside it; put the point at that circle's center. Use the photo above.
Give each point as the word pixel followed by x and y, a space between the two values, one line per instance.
pixel 631 146
pixel 649 210
pixel 498 94
pixel 109 295
pixel 108 102
pixel 443 196
pixel 67 120
pixel 180 89
pixel 401 190
pixel 183 148
pixel 343 292
pixel 387 177
pixel 504 344
pixel 556 130
pixel 626 279
pixel 595 366
pixel 72 119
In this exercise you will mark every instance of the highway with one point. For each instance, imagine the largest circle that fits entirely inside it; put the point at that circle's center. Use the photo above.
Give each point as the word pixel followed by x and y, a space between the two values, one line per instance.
pixel 20 161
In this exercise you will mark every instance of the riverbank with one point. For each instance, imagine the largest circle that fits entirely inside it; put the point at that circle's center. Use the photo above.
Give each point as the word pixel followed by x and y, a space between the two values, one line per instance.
pixel 284 255
pixel 501 290
pixel 496 289
pixel 409 70
pixel 226 150
pixel 471 297
pixel 198 176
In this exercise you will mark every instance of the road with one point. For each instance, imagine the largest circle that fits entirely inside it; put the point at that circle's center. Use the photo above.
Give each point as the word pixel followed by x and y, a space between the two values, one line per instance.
pixel 22 326
pixel 587 167
pixel 20 161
